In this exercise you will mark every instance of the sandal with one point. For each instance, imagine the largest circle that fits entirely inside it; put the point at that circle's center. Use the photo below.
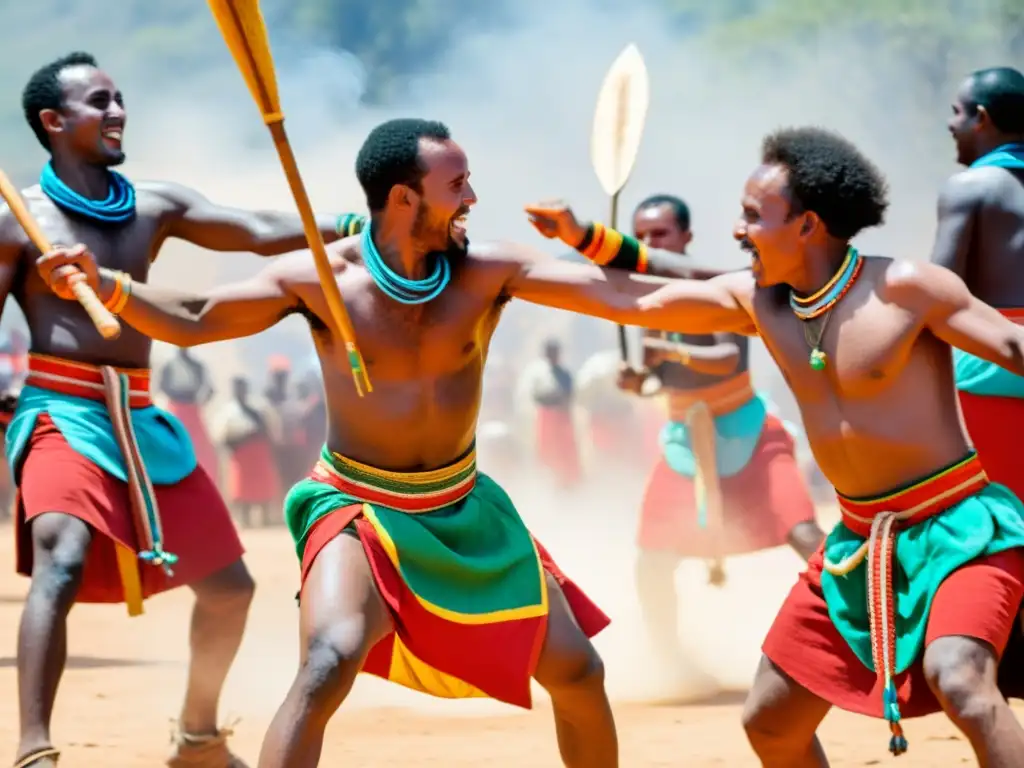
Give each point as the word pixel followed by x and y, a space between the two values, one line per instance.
pixel 43 753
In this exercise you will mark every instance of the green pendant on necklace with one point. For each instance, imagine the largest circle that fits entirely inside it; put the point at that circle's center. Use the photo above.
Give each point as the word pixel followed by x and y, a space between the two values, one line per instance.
pixel 821 302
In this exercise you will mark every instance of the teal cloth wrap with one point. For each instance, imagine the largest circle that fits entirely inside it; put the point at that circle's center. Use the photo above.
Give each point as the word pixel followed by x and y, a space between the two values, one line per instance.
pixel 1007 156
pixel 737 434
pixel 980 377
pixel 972 374
pixel 163 441
pixel 989 522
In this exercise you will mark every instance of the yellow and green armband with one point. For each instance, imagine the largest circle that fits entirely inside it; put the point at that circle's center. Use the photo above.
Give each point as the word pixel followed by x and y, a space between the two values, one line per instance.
pixel 349 224
pixel 607 247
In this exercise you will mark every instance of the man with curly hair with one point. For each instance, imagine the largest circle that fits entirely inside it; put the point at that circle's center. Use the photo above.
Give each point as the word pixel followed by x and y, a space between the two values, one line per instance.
pixel 390 592
pixel 886 621
pixel 726 481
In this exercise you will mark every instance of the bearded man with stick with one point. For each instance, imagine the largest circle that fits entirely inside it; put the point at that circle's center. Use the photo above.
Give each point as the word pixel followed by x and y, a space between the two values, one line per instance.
pixel 414 566
pixel 89 451
pixel 397 491
pixel 715 418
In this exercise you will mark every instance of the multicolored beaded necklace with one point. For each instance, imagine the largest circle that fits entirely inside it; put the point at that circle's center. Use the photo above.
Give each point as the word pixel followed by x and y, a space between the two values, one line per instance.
pixel 820 303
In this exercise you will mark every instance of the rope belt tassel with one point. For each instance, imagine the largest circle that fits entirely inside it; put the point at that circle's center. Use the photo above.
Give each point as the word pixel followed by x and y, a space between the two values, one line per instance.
pixel 882 616
pixel 146 512
pixel 879 550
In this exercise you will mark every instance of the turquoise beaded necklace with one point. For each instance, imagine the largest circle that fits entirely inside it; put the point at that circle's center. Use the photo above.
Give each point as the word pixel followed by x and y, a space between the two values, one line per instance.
pixel 821 302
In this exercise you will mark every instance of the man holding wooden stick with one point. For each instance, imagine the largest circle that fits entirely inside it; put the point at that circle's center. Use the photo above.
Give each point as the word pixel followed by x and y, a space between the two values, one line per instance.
pixel 113 507
pixel 414 566
pixel 753 498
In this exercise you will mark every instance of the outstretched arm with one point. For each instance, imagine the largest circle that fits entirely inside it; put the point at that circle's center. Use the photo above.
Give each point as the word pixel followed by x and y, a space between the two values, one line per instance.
pixel 609 247
pixel 719 359
pixel 193 218
pixel 958 207
pixel 960 319
pixel 689 306
pixel 183 319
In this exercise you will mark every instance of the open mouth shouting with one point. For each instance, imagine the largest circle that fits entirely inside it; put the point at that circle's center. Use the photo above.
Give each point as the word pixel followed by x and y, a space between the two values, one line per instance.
pixel 112 134
pixel 751 250
pixel 458 225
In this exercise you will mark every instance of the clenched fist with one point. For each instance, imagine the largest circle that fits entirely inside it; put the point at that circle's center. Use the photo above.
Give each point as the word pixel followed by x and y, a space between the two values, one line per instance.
pixel 62 268
pixel 555 219
pixel 631 380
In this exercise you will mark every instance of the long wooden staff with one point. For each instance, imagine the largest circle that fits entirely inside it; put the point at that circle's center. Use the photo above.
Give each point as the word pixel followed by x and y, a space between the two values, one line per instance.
pixel 105 323
pixel 242 26
pixel 618 127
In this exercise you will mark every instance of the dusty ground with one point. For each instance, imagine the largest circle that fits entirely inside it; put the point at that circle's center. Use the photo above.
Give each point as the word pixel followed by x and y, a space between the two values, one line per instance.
pixel 125 676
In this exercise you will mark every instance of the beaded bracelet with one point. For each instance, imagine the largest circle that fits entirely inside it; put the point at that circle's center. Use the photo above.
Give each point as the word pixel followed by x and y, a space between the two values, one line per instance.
pixel 117 300
pixel 349 224
pixel 607 247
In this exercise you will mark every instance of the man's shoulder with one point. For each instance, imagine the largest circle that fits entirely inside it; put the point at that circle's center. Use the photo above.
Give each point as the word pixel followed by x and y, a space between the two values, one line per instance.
pixel 489 251
pixel 497 259
pixel 908 283
pixel 299 267
pixel 163 188
pixel 741 285
pixel 973 187
pixel 169 194
pixel 11 232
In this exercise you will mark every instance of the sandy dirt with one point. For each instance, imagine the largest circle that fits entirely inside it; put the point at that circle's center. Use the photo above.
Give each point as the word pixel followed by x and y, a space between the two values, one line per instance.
pixel 125 677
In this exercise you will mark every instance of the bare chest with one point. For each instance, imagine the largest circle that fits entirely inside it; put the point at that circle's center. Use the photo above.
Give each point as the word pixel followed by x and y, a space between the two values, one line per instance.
pixel 864 341
pixel 128 247
pixel 400 341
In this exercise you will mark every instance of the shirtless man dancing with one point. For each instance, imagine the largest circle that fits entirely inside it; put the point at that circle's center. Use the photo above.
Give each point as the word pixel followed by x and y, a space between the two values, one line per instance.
pixel 74 532
pixel 870 411
pixel 981 238
pixel 864 343
pixel 763 500
pixel 415 566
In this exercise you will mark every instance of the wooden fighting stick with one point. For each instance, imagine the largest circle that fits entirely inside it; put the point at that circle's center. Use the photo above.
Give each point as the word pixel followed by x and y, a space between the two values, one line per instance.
pixel 703 438
pixel 618 127
pixel 242 26
pixel 105 323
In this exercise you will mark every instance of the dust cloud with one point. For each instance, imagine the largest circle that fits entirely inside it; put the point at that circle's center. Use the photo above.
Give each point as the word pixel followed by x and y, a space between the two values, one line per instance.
pixel 520 100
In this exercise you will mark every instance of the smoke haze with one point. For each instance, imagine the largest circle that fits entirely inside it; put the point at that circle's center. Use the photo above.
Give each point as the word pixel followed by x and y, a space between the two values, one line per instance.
pixel 520 99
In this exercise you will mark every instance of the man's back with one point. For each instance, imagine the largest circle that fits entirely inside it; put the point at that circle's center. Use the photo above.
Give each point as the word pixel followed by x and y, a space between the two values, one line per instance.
pixel 994 269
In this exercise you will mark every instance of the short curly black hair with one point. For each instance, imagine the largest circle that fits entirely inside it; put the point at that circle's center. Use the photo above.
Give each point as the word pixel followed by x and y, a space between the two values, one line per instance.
pixel 829 176
pixel 44 91
pixel 1000 90
pixel 391 155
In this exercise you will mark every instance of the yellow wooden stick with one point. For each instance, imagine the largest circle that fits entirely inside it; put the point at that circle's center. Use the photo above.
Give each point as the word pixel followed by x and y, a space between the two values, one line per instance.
pixel 243 29
pixel 131 581
pixel 105 323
